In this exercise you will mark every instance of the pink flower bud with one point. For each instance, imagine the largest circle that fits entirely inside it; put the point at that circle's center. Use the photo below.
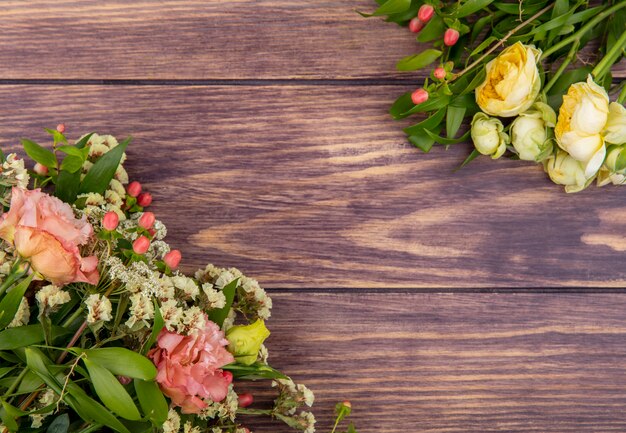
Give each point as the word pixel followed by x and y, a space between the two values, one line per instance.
pixel 425 13
pixel 61 128
pixel 124 380
pixel 110 221
pixel 346 403
pixel 415 25
pixel 245 399
pixel 41 170
pixel 144 199
pixel 141 245
pixel 228 376
pixel 146 221
pixel 172 259
pixel 419 96
pixel 450 37
pixel 133 189
pixel 439 73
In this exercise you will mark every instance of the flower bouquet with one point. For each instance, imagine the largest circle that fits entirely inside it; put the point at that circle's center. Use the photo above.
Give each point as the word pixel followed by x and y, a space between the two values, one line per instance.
pixel 513 96
pixel 99 331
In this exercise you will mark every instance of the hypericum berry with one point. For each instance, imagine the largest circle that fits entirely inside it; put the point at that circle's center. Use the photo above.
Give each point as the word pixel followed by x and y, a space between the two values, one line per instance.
pixel 245 399
pixel 439 73
pixel 110 221
pixel 146 221
pixel 61 128
pixel 133 189
pixel 172 259
pixel 228 376
pixel 415 25
pixel 425 13
pixel 40 169
pixel 450 37
pixel 141 245
pixel 144 199
pixel 419 96
pixel 347 403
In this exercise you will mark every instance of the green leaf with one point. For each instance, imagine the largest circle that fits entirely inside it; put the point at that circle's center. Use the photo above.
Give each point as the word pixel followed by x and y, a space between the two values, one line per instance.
pixel 90 410
pixel 56 136
pixel 418 61
pixel 74 151
pixel 39 154
pixel 483 45
pixel 442 140
pixel 67 185
pixel 435 102
pixel 11 301
pixel 620 162
pixel 433 30
pixel 7 418
pixel 99 176
pixel 83 141
pixel 568 78
pixel 254 371
pixel 152 401
pixel 472 156
pixel 430 123
pixel 471 6
pixel 157 326
pixel 219 315
pixel 22 336
pixel 31 382
pixel 61 424
pixel 401 106
pixel 72 164
pixel 111 392
pixel 390 7
pixel 38 363
pixel 454 119
pixel 121 362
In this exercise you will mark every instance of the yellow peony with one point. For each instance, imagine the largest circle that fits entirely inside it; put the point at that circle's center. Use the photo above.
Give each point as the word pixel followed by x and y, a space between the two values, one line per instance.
pixel 565 170
pixel 615 129
pixel 512 83
pixel 488 135
pixel 582 118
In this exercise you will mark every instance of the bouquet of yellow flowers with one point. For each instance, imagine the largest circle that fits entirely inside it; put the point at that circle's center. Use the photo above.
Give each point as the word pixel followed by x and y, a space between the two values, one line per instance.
pixel 530 101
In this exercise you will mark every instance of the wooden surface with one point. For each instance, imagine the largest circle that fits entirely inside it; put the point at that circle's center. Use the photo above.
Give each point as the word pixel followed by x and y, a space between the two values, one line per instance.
pixel 261 127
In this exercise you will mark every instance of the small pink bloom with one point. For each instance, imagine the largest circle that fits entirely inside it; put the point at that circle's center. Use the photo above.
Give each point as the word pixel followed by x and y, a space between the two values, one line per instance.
pixel 245 399
pixel 61 128
pixel 146 221
pixel 141 245
pixel 144 199
pixel 425 13
pixel 228 376
pixel 172 259
pixel 45 231
pixel 110 221
pixel 439 73
pixel 189 367
pixel 450 37
pixel 416 25
pixel 40 169
pixel 133 189
pixel 419 96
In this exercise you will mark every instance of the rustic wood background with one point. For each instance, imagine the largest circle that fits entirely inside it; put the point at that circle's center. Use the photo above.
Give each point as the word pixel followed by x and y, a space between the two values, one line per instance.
pixel 486 300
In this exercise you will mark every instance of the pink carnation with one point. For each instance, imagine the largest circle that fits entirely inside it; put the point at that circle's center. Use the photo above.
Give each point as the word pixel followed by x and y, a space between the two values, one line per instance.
pixel 189 367
pixel 45 231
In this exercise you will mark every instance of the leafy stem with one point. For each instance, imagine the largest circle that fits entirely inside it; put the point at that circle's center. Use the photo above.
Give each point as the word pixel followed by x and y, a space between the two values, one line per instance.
pixel 609 58
pixel 566 61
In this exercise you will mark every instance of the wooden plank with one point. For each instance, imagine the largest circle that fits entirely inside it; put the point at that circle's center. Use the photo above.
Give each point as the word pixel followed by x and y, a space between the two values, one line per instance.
pixel 314 186
pixel 197 39
pixel 457 362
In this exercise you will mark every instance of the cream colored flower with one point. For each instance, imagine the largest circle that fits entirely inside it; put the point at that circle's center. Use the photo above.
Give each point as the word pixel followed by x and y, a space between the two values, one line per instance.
pixel 98 309
pixel 582 117
pixel 512 83
pixel 565 170
pixel 615 128
pixel 50 297
pixel 610 172
pixel 172 424
pixel 488 136
pixel 530 135
pixel 22 316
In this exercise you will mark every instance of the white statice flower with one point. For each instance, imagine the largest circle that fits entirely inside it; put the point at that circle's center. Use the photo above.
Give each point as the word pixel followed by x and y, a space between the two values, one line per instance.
pixel 229 322
pixel 22 316
pixel 121 175
pixel 96 150
pixel 190 428
pixel 49 297
pixel 13 168
pixel 141 310
pixel 116 186
pixel 215 299
pixel 224 279
pixel 172 314
pixel 167 287
pixel 227 408
pixel 110 141
pixel 117 269
pixel 113 198
pixel 86 166
pixel 157 249
pixel 138 277
pixel 160 231
pixel 194 319
pixel 172 424
pixel 308 422
pixel 120 213
pixel 187 285
pixel 210 272
pixel 264 354
pixel 99 309
pixel 92 199
pixel 46 398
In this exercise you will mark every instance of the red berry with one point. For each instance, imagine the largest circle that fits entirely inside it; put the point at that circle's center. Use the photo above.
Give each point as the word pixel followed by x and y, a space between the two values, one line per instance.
pixel 146 221
pixel 439 73
pixel 245 399
pixel 141 245
pixel 415 25
pixel 228 376
pixel 110 221
pixel 144 199
pixel 425 13
pixel 419 96
pixel 133 189
pixel 172 259
pixel 450 37
pixel 61 128
pixel 40 169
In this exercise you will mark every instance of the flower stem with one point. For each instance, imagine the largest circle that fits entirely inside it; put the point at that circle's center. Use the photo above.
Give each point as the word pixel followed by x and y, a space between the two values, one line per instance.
pixel 609 58
pixel 16 382
pixel 566 61
pixel 502 41
pixel 584 29
pixel 622 95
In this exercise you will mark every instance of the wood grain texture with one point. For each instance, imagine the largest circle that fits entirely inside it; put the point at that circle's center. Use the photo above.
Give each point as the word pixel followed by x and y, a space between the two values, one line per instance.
pixel 215 39
pixel 314 186
pixel 458 362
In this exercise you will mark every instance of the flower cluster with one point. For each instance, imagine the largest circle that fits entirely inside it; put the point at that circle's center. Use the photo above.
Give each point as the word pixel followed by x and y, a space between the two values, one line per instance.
pixel 110 333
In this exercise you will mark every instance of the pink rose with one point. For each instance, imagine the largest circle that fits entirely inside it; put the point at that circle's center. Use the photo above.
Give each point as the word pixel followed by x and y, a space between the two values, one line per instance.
pixel 45 231
pixel 189 367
